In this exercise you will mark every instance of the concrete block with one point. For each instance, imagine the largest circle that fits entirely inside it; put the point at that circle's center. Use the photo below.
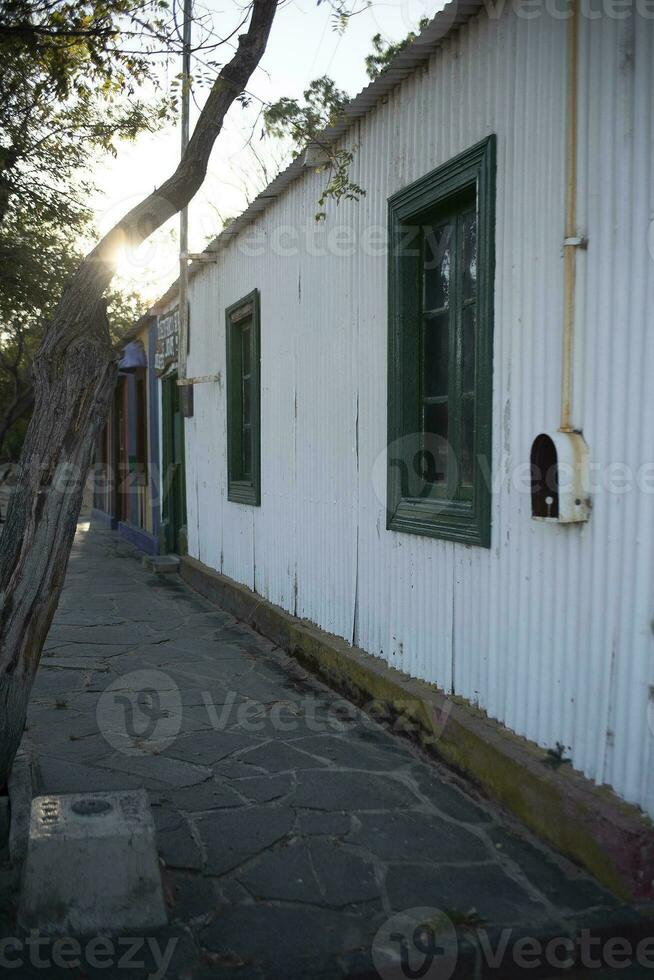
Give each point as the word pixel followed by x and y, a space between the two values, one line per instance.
pixel 91 865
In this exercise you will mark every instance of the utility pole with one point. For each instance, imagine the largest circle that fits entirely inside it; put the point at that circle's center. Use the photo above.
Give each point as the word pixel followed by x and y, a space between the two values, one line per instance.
pixel 183 217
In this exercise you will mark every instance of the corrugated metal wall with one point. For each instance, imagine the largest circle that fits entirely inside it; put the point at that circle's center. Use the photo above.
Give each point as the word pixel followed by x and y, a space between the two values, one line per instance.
pixel 549 630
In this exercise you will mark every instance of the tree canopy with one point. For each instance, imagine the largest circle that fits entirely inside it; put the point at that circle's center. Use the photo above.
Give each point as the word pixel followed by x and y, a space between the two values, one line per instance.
pixel 303 122
pixel 76 79
pixel 70 83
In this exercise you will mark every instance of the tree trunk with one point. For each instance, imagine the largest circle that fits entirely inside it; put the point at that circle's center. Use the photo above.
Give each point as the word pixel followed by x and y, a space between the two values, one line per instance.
pixel 70 408
pixel 74 376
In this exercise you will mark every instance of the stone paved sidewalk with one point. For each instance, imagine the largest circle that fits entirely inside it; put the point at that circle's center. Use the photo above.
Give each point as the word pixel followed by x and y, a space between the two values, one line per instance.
pixel 291 826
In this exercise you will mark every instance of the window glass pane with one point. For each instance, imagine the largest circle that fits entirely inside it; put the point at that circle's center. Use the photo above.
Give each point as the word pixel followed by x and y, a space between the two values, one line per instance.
pixel 247 452
pixel 435 449
pixel 243 416
pixel 467 440
pixel 245 348
pixel 437 267
pixel 245 404
pixel 246 401
pixel 435 355
pixel 469 223
pixel 468 321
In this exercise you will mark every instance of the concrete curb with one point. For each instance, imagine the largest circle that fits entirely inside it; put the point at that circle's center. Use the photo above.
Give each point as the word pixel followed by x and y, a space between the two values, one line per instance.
pixel 590 824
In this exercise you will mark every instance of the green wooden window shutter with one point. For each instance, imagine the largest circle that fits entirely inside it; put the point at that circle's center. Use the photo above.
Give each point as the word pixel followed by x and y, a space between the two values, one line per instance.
pixel 243 401
pixel 441 277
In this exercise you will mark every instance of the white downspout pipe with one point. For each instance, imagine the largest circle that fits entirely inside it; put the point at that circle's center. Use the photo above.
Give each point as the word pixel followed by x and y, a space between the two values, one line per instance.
pixel 571 240
pixel 568 448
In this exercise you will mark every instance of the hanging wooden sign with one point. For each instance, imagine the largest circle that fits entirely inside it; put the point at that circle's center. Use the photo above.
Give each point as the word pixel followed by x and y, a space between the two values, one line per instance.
pixel 167 343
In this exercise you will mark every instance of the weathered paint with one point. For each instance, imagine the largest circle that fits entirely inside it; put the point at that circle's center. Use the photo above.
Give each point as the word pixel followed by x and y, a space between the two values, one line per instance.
pixel 549 630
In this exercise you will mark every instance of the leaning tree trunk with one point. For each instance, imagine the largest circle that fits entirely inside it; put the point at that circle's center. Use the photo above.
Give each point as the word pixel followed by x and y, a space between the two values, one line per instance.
pixel 74 375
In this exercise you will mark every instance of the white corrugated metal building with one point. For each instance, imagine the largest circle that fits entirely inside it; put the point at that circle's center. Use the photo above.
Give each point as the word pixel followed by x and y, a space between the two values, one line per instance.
pixel 549 630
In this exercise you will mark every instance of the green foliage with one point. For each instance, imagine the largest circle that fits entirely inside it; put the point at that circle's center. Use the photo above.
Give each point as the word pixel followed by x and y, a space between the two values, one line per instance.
pixel 556 757
pixel 36 259
pixel 70 74
pixel 343 11
pixel 304 123
pixel 340 187
pixel 123 310
pixel 383 51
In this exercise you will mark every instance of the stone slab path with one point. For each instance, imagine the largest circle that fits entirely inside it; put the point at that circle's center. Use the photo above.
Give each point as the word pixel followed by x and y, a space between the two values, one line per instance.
pixel 291 827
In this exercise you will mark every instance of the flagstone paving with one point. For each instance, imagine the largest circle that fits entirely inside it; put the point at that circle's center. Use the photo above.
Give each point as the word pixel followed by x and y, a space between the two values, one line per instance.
pixel 290 826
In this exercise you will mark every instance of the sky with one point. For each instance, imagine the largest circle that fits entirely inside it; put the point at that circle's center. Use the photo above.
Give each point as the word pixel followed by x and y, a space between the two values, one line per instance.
pixel 303 45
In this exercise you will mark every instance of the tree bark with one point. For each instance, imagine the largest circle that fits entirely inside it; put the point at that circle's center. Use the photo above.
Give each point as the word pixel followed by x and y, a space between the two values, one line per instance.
pixel 74 376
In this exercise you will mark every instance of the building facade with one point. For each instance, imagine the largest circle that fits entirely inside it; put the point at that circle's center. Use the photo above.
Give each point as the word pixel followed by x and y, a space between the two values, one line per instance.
pixel 389 378
pixel 172 470
pixel 127 483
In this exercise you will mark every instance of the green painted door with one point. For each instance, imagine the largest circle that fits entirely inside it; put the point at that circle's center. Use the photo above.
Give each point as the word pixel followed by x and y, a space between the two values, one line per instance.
pixel 174 475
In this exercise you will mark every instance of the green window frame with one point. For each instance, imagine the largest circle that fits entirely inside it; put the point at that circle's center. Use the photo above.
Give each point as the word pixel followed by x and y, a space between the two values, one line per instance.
pixel 242 327
pixel 440 350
